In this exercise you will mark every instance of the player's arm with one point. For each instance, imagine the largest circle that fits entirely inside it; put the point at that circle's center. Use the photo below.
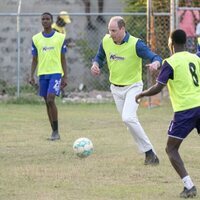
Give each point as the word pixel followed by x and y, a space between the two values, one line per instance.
pixel 64 67
pixel 165 74
pixel 34 63
pixel 33 68
pixel 98 61
pixel 144 52
pixel 64 64
pixel 155 89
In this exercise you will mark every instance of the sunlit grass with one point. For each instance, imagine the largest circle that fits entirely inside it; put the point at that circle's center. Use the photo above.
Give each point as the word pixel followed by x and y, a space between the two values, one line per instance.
pixel 32 168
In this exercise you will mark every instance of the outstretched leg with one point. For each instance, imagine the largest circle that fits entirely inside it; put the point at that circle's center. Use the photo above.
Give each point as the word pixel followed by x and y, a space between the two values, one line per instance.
pixel 172 148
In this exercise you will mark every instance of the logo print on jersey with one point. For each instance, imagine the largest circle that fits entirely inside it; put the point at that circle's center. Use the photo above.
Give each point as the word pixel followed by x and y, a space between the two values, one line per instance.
pixel 47 48
pixel 115 57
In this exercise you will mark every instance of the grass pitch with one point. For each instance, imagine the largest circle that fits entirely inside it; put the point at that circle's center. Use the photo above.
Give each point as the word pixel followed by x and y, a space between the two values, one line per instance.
pixel 32 168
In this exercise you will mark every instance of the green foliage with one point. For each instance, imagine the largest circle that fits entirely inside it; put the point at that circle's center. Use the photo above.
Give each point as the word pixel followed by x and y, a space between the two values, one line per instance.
pixel 141 5
pixel 10 89
pixel 86 51
pixel 195 3
pixel 136 26
pixel 135 5
pixel 24 99
pixel 6 89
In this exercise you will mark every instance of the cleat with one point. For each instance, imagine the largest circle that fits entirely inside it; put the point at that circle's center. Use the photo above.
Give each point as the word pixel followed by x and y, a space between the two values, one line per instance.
pixel 151 160
pixel 54 136
pixel 100 19
pixel 188 193
pixel 90 26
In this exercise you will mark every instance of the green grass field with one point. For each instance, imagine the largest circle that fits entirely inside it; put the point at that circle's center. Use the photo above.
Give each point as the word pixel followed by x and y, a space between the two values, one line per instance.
pixel 32 168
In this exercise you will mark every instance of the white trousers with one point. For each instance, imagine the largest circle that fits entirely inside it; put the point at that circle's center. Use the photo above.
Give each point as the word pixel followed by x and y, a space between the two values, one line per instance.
pixel 124 98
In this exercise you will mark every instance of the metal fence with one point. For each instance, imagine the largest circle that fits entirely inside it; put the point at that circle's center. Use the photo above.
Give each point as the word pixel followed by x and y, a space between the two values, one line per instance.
pixel 16 56
pixel 17 30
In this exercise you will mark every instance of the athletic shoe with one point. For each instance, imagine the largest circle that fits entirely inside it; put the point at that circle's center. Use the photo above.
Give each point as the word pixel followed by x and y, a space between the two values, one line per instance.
pixel 54 136
pixel 90 26
pixel 151 159
pixel 100 19
pixel 188 193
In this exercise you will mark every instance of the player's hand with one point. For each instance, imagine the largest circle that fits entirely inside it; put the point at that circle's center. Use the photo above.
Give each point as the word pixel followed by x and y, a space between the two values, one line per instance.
pixel 63 82
pixel 32 81
pixel 153 66
pixel 138 98
pixel 95 70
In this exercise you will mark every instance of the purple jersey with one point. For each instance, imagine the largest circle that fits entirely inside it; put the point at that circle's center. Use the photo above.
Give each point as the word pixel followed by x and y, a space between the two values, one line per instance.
pixel 166 73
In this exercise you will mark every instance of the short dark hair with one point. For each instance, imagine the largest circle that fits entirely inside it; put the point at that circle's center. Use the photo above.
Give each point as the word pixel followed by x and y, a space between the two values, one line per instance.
pixel 121 23
pixel 48 13
pixel 179 36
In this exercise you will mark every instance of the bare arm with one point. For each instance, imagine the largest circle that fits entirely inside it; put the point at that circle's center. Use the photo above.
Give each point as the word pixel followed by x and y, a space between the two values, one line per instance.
pixel 155 89
pixel 64 67
pixel 33 68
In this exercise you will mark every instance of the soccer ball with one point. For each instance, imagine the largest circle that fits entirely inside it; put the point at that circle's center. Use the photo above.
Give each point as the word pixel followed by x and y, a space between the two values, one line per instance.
pixel 83 147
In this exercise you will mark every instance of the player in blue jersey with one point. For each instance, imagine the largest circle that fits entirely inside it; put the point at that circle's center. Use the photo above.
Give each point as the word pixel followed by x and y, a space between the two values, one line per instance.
pixel 181 73
pixel 48 50
pixel 124 54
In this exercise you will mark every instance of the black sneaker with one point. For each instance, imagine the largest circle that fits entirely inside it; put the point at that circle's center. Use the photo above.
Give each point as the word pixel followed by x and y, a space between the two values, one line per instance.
pixel 151 159
pixel 188 193
pixel 100 19
pixel 90 26
pixel 54 136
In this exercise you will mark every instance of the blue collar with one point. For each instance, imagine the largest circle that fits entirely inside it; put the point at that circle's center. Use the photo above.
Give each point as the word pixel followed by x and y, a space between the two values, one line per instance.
pixel 48 34
pixel 126 37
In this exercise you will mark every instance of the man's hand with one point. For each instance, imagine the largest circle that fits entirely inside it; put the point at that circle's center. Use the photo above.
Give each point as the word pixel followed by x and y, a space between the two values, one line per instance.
pixel 32 81
pixel 63 82
pixel 138 98
pixel 154 65
pixel 95 70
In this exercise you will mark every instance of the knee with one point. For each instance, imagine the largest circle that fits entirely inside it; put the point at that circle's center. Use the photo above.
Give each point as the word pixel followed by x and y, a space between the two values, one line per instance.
pixel 169 151
pixel 50 101
pixel 129 119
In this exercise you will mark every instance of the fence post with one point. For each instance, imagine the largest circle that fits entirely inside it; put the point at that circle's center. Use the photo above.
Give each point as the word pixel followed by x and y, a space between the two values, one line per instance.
pixel 172 15
pixel 18 48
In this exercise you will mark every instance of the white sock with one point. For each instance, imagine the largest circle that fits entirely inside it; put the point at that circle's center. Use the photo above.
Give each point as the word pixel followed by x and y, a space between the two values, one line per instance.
pixel 187 182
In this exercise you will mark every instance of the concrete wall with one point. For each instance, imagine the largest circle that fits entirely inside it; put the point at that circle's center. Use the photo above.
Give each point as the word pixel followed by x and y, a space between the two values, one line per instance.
pixel 30 25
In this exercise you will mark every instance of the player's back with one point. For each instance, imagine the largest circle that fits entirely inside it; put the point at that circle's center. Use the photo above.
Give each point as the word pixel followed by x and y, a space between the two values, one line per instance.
pixel 184 88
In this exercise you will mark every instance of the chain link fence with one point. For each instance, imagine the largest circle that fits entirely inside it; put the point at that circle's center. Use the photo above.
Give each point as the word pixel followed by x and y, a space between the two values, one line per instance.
pixel 15 74
pixel 17 32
